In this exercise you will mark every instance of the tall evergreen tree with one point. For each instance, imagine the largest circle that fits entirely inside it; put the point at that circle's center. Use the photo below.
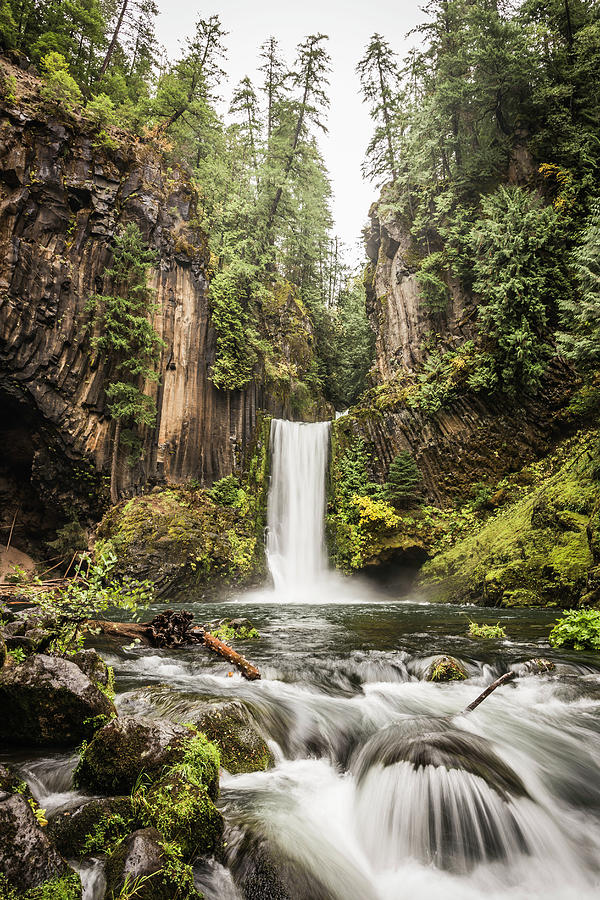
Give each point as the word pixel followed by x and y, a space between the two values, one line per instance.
pixel 121 328
pixel 379 80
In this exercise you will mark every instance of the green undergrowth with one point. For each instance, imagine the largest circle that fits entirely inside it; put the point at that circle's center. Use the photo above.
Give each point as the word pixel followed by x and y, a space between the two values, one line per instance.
pixel 66 888
pixel 228 633
pixel 538 546
pixel 188 536
pixel 577 628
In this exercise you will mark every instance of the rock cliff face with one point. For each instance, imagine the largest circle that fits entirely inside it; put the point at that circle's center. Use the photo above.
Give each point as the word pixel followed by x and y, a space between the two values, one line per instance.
pixel 64 191
pixel 473 437
pixel 401 323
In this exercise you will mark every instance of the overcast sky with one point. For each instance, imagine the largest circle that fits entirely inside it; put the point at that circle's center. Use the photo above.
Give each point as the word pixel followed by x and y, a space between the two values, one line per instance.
pixel 349 26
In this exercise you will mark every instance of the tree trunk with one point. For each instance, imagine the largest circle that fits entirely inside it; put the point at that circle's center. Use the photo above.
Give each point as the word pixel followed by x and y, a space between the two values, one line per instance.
pixel 114 489
pixel 113 40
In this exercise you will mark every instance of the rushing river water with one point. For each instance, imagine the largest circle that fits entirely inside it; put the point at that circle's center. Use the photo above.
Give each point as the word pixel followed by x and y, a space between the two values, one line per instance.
pixel 382 789
pixel 336 674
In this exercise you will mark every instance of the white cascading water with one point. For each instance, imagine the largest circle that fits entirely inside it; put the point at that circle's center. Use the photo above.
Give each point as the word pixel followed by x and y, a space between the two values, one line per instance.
pixel 296 550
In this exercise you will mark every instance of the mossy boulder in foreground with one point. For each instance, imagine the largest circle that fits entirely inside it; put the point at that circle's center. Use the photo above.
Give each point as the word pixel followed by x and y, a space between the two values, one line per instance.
pixel 128 747
pixel 445 668
pixel 49 702
pixel 228 725
pixel 144 860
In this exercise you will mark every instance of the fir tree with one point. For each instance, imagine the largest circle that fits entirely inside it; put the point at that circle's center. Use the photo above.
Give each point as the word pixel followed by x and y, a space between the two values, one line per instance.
pixel 581 314
pixel 379 77
pixel 403 479
pixel 121 328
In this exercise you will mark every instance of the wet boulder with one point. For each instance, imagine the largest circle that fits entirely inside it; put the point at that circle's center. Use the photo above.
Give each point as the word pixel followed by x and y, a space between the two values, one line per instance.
pixel 128 747
pixel 445 668
pixel 229 726
pixel 12 783
pixel 538 666
pixel 97 826
pixel 184 813
pixel 49 702
pixel 142 859
pixel 28 858
pixel 444 747
pixel 91 664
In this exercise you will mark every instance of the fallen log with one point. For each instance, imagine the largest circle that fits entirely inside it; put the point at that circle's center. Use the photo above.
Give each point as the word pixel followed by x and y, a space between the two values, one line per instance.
pixel 247 669
pixel 504 679
pixel 158 633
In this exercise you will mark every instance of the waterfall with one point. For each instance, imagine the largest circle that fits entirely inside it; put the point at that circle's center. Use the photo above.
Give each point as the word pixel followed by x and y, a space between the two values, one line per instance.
pixel 296 549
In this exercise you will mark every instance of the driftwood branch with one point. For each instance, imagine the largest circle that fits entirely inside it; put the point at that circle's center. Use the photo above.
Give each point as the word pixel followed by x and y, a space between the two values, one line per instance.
pixel 171 629
pixel 504 679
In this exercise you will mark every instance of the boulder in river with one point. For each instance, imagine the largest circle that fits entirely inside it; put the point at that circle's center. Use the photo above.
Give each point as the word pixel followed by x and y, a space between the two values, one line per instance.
pixel 128 747
pixel 94 827
pixel 141 859
pixel 229 726
pixel 47 701
pixel 28 858
pixel 184 813
pixel 91 664
pixel 445 668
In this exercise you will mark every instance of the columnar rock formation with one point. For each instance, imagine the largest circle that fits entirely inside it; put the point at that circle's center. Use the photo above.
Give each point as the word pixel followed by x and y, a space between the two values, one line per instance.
pixel 64 192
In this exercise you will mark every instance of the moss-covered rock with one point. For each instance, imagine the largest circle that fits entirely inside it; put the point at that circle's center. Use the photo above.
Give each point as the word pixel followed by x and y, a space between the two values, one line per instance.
pixel 538 550
pixel 228 725
pixel 129 747
pixel 126 748
pixel 445 668
pixel 154 867
pixel 182 811
pixel 95 827
pixel 49 702
pixel 91 664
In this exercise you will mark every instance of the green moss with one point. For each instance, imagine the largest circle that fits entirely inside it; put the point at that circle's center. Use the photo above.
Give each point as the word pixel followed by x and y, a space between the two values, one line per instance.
pixel 184 813
pixel 180 804
pixel 66 888
pixel 241 747
pixel 486 631
pixel 445 668
pixel 535 550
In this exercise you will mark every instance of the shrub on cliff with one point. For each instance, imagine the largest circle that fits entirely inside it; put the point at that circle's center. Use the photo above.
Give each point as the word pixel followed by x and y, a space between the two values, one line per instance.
pixel 59 85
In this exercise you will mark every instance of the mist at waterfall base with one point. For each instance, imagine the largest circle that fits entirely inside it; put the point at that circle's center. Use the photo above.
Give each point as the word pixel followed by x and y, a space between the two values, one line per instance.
pixel 381 789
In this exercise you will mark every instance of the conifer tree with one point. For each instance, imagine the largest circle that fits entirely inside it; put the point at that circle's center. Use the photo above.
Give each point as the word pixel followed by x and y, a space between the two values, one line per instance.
pixel 403 479
pixel 581 314
pixel 122 329
pixel 379 79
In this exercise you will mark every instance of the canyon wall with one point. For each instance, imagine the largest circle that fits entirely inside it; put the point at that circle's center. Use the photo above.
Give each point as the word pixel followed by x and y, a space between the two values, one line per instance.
pixel 65 190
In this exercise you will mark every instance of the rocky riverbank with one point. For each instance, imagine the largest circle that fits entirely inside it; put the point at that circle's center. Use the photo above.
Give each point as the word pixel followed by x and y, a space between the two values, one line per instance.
pixel 152 783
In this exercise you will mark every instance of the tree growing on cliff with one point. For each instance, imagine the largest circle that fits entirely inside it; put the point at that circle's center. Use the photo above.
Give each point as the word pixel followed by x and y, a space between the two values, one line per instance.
pixel 403 479
pixel 581 313
pixel 122 330
pixel 379 80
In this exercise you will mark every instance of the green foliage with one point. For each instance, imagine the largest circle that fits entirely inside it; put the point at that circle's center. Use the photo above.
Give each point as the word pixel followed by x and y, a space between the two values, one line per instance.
pixel 486 631
pixel 519 275
pixel 230 294
pixel 18 655
pixel 59 87
pixel 581 313
pixel 91 591
pixel 446 668
pixel 66 888
pixel 70 540
pixel 227 632
pixel 447 373
pixel 433 288
pixel 227 491
pixel 577 628
pixel 403 479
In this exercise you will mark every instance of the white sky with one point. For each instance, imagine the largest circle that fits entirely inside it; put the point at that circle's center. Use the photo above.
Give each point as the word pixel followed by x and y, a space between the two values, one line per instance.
pixel 349 26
